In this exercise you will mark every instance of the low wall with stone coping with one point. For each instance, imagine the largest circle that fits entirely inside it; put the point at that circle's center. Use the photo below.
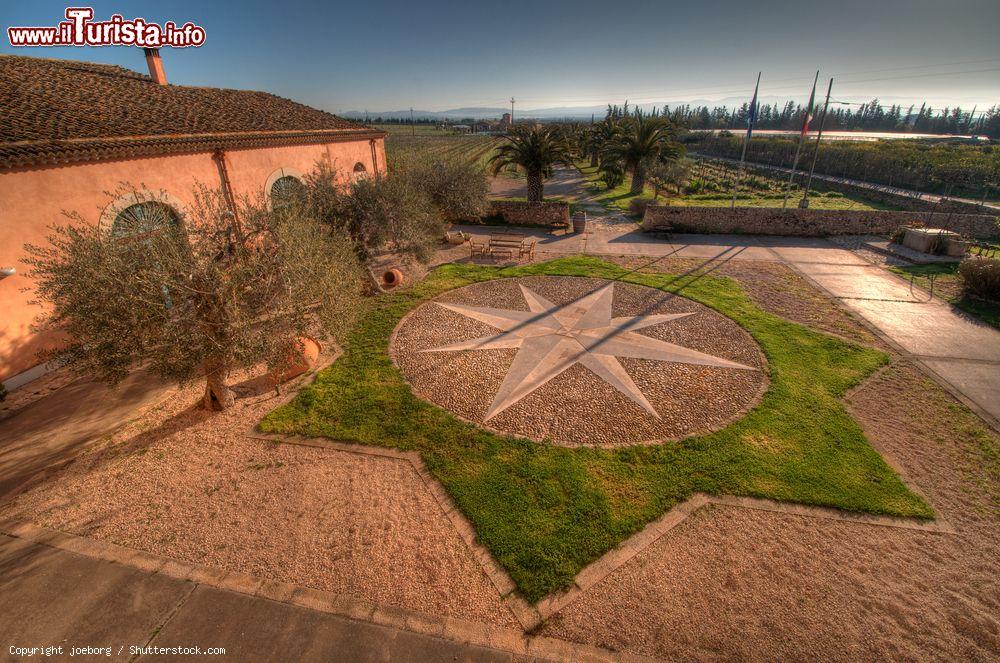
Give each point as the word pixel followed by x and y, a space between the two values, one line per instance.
pixel 807 222
pixel 516 212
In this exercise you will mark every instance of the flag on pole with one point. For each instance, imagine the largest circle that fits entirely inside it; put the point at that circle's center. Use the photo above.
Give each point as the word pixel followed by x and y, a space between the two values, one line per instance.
pixel 802 139
pixel 809 108
pixel 752 113
pixel 751 116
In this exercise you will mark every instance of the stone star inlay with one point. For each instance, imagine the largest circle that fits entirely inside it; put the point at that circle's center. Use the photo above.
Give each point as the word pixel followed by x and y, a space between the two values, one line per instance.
pixel 551 338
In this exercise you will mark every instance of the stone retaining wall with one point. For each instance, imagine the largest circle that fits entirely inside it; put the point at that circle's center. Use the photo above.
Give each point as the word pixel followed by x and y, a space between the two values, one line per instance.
pixel 517 212
pixel 808 222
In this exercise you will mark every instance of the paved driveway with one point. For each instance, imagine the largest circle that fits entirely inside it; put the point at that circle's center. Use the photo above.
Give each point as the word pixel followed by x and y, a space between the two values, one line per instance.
pixel 565 183
pixel 53 597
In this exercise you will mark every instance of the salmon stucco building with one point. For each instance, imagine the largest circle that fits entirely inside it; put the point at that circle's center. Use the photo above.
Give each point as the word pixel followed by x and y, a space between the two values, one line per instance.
pixel 72 131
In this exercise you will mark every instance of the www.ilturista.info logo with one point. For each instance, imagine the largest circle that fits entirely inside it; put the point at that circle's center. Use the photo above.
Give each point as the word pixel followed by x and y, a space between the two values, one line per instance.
pixel 80 30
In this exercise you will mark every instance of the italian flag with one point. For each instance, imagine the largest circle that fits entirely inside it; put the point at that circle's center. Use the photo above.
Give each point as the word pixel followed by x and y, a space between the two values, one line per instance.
pixel 809 111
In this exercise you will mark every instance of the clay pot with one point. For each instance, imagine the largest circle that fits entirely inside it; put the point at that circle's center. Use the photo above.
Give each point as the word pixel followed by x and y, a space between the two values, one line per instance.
pixel 392 278
pixel 304 359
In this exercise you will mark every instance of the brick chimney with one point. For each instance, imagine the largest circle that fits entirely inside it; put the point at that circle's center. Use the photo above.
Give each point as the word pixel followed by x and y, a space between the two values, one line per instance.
pixel 155 64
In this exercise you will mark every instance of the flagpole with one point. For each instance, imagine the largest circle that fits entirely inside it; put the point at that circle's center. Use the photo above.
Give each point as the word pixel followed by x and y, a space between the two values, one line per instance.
pixel 746 140
pixel 802 139
pixel 804 203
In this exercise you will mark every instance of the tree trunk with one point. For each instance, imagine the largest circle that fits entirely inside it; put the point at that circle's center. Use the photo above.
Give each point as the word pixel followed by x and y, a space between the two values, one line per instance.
pixel 218 395
pixel 593 159
pixel 638 181
pixel 535 189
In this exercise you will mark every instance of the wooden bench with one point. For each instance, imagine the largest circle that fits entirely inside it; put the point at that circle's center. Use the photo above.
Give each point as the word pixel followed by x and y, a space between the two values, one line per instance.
pixel 512 245
pixel 504 245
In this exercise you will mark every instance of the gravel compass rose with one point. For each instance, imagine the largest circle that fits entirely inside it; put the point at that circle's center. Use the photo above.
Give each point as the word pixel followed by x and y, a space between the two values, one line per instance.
pixel 551 338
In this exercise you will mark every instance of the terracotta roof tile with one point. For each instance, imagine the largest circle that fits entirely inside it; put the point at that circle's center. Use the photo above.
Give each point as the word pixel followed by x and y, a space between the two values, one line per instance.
pixel 64 111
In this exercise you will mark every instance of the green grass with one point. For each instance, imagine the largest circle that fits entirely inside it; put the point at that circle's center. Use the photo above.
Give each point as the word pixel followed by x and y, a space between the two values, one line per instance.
pixel 948 286
pixel 546 511
pixel 616 199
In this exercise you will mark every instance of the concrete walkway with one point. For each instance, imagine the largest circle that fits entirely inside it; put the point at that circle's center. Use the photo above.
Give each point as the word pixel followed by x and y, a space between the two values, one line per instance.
pixel 56 598
pixel 960 350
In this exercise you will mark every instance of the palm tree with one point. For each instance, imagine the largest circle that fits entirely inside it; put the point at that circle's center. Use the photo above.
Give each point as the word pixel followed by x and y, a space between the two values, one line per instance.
pixel 603 133
pixel 536 152
pixel 637 145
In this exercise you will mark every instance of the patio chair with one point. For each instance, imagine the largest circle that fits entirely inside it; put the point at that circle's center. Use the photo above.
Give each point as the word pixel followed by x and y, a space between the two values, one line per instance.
pixel 479 248
pixel 527 249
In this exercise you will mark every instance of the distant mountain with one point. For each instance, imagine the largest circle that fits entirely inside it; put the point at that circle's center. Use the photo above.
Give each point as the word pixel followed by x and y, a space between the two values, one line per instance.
pixel 453 114
pixel 584 112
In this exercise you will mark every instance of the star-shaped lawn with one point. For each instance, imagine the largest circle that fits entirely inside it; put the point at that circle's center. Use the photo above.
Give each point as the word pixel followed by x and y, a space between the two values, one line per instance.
pixel 551 338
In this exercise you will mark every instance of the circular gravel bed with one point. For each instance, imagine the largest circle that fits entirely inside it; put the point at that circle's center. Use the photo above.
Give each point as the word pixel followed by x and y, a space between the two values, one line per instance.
pixel 578 408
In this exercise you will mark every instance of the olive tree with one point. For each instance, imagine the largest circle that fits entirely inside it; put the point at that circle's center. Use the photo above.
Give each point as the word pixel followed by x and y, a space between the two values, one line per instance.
pixel 403 212
pixel 457 188
pixel 194 296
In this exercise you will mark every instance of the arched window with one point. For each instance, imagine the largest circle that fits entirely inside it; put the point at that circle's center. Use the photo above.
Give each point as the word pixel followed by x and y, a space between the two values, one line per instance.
pixel 360 172
pixel 286 190
pixel 136 223
pixel 143 218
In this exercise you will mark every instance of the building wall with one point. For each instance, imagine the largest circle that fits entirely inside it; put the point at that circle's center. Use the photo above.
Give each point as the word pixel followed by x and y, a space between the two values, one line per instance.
pixel 32 200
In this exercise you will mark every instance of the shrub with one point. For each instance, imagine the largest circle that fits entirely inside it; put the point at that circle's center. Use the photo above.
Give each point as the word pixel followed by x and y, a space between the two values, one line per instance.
pixel 456 188
pixel 612 174
pixel 695 185
pixel 981 277
pixel 390 214
pixel 403 212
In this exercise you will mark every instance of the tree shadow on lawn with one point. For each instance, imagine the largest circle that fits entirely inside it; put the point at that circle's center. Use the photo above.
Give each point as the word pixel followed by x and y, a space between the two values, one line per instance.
pixel 546 511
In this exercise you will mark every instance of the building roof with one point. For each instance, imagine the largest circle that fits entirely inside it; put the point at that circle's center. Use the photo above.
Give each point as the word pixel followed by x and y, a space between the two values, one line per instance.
pixel 60 111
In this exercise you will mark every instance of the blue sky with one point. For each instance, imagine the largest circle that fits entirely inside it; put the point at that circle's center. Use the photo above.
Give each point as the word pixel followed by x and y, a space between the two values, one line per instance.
pixel 437 55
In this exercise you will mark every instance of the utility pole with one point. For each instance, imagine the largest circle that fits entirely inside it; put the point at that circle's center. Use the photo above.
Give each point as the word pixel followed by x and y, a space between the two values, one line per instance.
pixel 413 128
pixel 804 203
